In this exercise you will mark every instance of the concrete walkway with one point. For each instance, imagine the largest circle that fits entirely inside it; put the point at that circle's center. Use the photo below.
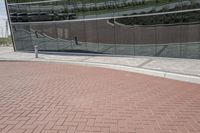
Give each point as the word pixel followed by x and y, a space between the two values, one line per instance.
pixel 172 68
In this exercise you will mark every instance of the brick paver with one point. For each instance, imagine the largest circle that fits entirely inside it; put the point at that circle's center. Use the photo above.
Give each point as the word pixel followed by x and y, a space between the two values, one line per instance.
pixel 58 98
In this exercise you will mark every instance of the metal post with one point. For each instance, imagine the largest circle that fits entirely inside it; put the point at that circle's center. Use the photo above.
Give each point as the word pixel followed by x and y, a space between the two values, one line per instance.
pixel 36 51
pixel 10 25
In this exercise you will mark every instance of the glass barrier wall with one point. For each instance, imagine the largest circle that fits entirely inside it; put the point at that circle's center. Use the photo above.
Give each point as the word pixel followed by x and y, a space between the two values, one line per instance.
pixel 166 28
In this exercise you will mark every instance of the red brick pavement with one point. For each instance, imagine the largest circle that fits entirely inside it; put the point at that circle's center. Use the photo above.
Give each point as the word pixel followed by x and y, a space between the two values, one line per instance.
pixel 58 98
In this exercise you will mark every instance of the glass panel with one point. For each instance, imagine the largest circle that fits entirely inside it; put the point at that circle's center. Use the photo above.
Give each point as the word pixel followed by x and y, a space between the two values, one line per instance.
pixel 145 35
pixel 45 36
pixel 22 35
pixel 169 34
pixel 13 13
pixel 17 35
pixel 63 33
pixel 106 36
pixel 37 36
pixel 124 35
pixel 89 8
pixel 106 30
pixel 91 32
pixel 190 35
pixel 190 4
pixel 50 36
pixel 191 50
pixel 78 36
pixel 92 35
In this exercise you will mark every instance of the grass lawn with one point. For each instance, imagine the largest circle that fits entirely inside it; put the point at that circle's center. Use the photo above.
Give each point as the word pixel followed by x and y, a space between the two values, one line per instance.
pixel 5 41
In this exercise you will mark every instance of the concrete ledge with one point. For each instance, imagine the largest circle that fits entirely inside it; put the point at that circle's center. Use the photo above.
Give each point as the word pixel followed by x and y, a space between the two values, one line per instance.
pixel 181 77
pixel 168 75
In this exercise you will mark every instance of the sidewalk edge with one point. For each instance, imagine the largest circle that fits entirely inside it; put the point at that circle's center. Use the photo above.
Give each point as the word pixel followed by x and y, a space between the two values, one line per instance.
pixel 167 75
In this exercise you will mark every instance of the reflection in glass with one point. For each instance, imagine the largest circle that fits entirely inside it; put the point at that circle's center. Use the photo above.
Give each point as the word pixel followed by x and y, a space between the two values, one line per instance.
pixel 168 28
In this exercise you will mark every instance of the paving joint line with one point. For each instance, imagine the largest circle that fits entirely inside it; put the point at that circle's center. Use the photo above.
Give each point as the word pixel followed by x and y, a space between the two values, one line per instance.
pixel 87 58
pixel 144 63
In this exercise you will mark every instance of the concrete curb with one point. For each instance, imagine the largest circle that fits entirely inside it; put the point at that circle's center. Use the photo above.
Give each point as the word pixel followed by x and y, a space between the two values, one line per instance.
pixel 167 75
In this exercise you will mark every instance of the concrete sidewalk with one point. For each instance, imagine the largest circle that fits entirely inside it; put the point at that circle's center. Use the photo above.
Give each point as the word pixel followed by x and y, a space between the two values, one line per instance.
pixel 172 68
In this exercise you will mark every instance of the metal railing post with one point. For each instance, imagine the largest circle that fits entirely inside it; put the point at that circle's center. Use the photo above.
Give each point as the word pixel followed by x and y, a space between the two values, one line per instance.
pixel 36 51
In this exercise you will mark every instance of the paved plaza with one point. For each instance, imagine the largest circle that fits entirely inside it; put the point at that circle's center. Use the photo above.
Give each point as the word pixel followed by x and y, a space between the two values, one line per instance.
pixel 57 98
